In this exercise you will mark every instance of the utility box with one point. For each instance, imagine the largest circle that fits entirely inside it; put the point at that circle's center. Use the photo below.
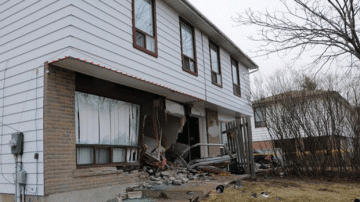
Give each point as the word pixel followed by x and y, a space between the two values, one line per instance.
pixel 22 177
pixel 17 143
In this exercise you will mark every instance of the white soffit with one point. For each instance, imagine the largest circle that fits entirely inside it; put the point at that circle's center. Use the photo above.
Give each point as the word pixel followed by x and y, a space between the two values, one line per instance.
pixel 116 76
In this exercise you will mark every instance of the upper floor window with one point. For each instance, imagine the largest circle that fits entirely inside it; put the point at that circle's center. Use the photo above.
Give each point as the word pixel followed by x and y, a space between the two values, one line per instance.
pixel 144 26
pixel 215 64
pixel 188 52
pixel 260 115
pixel 236 77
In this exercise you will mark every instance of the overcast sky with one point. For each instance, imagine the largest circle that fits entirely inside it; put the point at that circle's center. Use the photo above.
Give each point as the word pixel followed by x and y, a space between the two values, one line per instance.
pixel 221 12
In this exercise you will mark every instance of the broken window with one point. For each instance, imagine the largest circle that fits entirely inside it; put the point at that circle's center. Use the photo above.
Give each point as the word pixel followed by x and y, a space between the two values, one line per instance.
pixel 106 130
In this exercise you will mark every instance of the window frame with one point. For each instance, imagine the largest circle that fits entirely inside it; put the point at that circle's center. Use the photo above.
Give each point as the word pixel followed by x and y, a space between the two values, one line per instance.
pixel 262 123
pixel 183 56
pixel 219 64
pixel 135 30
pixel 235 86
pixel 96 146
pixel 105 146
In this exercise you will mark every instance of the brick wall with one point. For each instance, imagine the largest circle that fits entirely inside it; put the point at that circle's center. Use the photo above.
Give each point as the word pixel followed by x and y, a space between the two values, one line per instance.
pixel 263 145
pixel 60 173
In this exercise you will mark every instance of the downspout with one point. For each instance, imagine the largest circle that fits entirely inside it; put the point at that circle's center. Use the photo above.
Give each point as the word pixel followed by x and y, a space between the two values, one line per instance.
pixel 203 60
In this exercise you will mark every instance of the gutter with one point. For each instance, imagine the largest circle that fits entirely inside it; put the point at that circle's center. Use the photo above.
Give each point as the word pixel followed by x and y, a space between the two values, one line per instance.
pixel 188 4
pixel 257 69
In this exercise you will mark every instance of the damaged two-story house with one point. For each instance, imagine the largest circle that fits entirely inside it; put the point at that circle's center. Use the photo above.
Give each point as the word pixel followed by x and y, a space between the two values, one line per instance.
pixel 87 82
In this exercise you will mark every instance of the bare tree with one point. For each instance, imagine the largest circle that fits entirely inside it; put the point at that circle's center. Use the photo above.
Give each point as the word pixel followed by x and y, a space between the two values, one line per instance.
pixel 317 131
pixel 305 24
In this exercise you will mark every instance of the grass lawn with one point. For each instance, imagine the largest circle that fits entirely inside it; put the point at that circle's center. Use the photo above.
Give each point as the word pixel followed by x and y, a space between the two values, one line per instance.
pixel 290 189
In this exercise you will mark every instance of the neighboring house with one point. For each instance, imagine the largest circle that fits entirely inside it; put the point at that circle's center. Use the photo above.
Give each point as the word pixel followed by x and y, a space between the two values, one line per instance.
pixel 320 119
pixel 84 80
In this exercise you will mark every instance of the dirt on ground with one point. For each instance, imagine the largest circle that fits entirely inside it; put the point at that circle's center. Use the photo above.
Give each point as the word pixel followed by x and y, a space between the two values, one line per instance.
pixel 289 189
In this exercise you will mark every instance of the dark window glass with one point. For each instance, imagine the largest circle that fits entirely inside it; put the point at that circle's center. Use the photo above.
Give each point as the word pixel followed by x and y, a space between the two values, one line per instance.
pixel 102 156
pixel 140 39
pixel 215 64
pixel 260 115
pixel 235 77
pixel 188 48
pixel 235 72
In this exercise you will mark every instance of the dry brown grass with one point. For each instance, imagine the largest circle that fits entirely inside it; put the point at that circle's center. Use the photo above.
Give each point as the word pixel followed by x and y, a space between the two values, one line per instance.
pixel 280 189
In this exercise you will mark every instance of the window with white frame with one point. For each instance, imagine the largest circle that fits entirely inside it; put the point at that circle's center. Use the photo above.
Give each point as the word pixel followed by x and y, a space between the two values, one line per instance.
pixel 106 130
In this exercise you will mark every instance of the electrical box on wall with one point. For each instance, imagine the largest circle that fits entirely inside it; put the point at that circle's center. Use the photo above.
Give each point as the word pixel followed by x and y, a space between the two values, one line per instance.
pixel 17 143
pixel 22 177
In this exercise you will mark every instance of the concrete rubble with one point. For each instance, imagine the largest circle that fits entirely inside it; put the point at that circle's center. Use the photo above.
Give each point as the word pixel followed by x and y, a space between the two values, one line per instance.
pixel 171 176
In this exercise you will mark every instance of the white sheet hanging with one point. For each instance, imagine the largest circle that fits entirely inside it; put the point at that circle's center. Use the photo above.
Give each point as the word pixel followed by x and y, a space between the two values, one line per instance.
pixel 102 120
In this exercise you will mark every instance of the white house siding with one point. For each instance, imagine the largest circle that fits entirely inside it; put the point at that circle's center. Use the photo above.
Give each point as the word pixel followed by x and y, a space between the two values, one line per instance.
pixel 260 133
pixel 106 38
pixel 225 96
pixel 34 31
pixel 31 33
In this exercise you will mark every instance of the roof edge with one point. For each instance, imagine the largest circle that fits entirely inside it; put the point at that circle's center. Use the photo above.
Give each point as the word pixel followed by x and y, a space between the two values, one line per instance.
pixel 197 12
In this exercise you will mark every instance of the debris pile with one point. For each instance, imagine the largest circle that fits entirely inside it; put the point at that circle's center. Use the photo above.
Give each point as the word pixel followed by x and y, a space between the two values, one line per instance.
pixel 171 176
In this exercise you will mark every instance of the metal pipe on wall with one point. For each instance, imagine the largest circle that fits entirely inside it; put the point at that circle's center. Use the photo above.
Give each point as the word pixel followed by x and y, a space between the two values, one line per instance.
pixel 16 178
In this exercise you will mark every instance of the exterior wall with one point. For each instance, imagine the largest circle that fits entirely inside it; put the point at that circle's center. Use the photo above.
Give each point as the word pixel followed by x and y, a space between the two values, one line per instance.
pixel 61 174
pixel 107 39
pixel 259 133
pixel 263 145
pixel 31 32
pixel 217 95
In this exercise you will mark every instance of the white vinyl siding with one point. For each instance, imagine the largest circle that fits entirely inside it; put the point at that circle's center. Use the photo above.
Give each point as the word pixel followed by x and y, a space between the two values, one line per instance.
pixel 31 33
pixel 107 39
pixel 225 96
pixel 34 32
pixel 259 133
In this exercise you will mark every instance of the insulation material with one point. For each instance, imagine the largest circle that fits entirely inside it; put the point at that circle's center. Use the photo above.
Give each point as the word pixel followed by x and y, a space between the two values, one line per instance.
pixel 196 111
pixel 171 130
pixel 174 108
pixel 175 122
